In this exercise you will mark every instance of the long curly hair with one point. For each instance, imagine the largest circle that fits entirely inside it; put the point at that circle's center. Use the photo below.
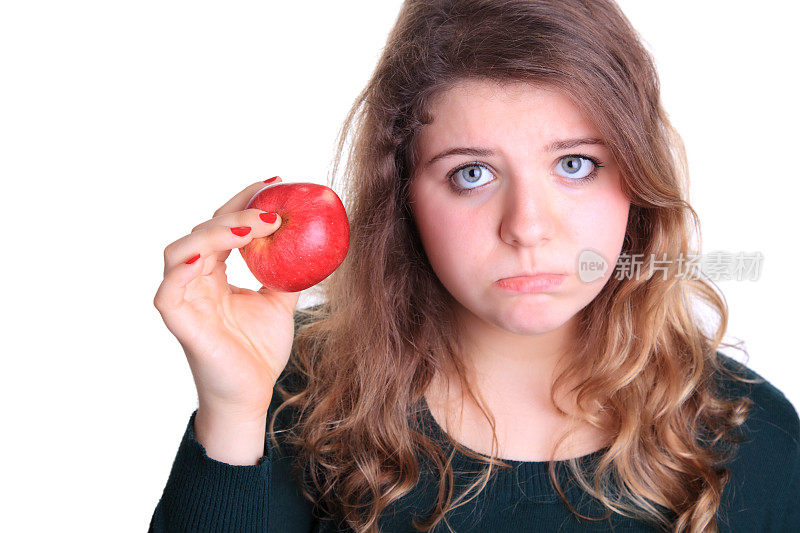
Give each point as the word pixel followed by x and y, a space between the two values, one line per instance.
pixel 646 361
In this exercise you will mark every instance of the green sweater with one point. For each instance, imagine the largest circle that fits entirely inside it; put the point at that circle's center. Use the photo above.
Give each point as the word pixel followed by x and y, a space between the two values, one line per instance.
pixel 763 494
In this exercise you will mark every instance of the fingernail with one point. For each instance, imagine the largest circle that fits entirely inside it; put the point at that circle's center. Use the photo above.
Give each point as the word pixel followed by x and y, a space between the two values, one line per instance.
pixel 269 218
pixel 241 231
pixel 193 259
pixel 273 178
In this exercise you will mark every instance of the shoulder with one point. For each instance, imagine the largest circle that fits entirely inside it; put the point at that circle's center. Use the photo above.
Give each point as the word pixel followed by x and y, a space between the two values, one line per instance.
pixel 772 416
pixel 764 470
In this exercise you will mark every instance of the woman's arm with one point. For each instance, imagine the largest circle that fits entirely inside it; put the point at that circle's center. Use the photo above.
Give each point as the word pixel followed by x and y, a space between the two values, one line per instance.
pixel 206 494
pixel 792 519
pixel 242 484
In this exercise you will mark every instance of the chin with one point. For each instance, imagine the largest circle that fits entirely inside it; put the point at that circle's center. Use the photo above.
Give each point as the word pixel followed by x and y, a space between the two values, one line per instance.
pixel 537 322
pixel 530 328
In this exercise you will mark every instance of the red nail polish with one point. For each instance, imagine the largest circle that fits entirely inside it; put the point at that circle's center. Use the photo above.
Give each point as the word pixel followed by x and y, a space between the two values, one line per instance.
pixel 269 218
pixel 273 178
pixel 193 259
pixel 241 231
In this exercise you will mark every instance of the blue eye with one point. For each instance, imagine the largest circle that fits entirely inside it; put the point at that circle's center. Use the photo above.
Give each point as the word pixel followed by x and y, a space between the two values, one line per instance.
pixel 474 175
pixel 578 167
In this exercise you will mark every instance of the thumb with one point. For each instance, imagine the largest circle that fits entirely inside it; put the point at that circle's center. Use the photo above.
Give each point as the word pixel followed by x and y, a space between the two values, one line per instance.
pixel 290 298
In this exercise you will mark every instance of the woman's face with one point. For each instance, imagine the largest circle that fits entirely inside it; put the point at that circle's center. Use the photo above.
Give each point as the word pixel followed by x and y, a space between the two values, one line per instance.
pixel 529 207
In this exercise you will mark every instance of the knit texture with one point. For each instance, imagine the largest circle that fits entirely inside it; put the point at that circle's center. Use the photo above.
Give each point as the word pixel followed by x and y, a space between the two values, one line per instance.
pixel 763 494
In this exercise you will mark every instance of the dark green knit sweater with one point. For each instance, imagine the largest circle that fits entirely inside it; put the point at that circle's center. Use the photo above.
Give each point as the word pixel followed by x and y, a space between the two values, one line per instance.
pixel 763 494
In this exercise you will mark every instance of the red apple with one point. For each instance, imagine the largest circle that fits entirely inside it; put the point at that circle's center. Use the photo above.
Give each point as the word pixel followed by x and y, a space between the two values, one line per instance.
pixel 311 242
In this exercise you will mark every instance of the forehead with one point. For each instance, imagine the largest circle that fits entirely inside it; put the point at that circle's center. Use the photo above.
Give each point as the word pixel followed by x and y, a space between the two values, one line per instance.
pixel 474 110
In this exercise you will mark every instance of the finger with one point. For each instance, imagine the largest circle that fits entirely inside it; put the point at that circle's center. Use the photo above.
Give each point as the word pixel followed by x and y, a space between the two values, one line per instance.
pixel 217 239
pixel 248 217
pixel 239 201
pixel 170 293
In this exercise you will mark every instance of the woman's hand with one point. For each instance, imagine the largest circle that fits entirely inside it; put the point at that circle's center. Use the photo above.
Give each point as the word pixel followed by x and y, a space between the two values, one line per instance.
pixel 237 341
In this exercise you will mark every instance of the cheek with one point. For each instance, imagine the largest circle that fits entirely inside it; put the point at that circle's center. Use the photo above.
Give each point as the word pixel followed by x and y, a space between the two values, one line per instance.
pixel 451 237
pixel 601 222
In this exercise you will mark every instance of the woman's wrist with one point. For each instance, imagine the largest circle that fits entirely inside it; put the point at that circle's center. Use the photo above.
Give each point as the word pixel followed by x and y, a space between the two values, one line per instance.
pixel 235 438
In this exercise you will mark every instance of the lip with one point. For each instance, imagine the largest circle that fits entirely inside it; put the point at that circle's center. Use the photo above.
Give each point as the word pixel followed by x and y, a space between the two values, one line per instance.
pixel 529 284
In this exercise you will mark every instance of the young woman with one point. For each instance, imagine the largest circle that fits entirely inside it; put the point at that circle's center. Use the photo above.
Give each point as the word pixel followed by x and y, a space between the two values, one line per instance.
pixel 473 367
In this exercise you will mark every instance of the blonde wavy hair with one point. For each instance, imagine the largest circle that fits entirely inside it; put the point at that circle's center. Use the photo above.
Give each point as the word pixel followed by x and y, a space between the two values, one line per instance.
pixel 643 360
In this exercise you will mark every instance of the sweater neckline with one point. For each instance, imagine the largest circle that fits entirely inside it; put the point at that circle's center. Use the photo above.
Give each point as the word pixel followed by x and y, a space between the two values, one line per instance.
pixel 525 479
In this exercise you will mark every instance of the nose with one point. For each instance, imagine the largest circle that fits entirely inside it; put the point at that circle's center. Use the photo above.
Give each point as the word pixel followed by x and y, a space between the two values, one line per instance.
pixel 527 217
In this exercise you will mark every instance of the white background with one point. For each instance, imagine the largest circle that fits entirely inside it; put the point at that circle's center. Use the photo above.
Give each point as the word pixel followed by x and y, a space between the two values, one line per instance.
pixel 125 124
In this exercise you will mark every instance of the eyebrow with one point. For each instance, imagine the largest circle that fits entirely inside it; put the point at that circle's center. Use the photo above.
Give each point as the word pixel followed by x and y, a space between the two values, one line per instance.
pixel 563 144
